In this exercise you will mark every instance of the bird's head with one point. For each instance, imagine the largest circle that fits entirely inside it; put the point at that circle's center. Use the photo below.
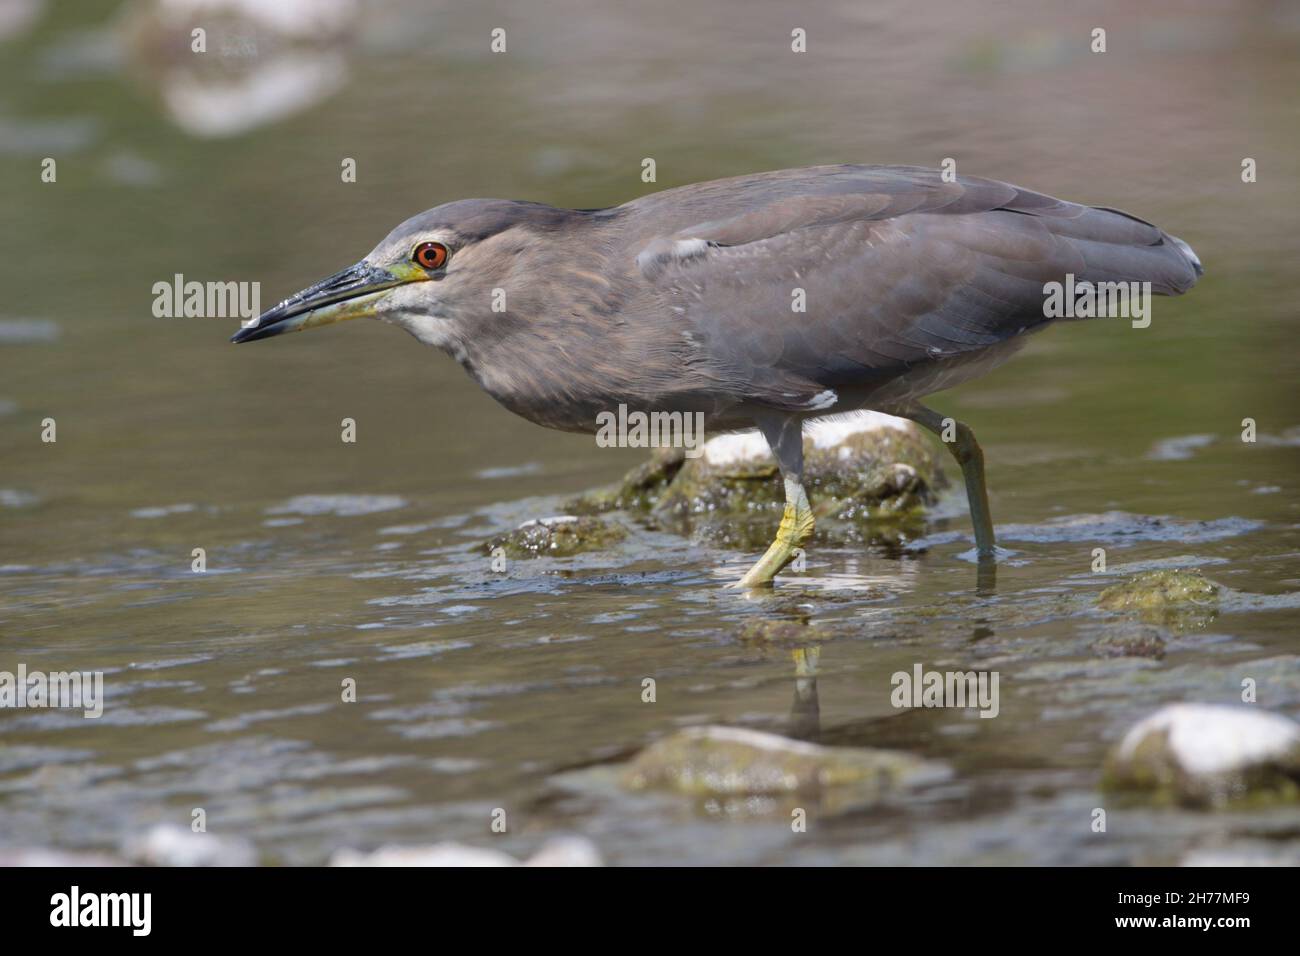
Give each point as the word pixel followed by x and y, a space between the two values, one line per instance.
pixel 435 275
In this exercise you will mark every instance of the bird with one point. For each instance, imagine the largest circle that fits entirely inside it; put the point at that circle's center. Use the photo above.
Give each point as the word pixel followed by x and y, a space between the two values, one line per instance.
pixel 911 281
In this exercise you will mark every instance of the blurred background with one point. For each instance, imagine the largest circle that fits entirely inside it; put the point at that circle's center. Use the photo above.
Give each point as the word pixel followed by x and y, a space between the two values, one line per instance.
pixel 479 693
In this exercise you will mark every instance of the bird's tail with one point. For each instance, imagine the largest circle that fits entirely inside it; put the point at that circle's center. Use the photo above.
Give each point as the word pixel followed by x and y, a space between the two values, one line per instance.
pixel 1118 246
pixel 1189 255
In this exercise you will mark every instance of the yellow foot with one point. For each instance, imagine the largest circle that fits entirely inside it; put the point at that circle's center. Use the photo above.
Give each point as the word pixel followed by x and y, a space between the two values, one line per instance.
pixel 796 528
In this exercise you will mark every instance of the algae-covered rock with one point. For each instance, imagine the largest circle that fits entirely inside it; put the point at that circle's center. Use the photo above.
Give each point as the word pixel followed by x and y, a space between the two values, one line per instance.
pixel 866 462
pixel 639 490
pixel 558 537
pixel 1175 597
pixel 868 476
pixel 1153 590
pixel 1208 756
pixel 734 762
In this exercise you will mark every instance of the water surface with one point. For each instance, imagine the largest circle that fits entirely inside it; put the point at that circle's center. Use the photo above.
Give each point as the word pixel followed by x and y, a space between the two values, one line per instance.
pixel 478 690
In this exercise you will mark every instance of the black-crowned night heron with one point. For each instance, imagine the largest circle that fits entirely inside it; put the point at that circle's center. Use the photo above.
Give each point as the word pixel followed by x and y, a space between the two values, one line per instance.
pixel 684 301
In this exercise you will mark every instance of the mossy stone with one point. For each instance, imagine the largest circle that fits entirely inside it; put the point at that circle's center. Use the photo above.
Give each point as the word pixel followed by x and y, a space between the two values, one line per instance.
pixel 558 537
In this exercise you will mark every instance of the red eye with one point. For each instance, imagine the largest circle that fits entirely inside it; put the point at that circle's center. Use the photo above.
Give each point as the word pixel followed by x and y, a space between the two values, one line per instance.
pixel 430 255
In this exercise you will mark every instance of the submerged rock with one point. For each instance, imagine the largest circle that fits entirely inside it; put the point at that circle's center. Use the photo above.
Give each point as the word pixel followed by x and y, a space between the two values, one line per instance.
pixel 868 476
pixel 1180 597
pixel 1135 640
pixel 734 762
pixel 1208 755
pixel 23 331
pixel 561 851
pixel 1122 529
pixel 343 506
pixel 558 537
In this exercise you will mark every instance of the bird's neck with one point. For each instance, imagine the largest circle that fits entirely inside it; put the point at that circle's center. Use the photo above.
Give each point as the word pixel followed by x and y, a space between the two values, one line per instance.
pixel 439 332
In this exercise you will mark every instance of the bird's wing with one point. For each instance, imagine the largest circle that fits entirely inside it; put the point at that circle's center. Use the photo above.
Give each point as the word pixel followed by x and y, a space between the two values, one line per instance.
pixel 906 269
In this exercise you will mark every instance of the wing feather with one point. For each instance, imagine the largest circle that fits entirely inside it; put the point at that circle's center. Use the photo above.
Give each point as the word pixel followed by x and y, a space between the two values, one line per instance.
pixel 897 268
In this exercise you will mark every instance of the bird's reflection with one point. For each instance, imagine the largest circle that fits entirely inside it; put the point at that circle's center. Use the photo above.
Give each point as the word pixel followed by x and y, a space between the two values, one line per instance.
pixel 805 711
pixel 805 708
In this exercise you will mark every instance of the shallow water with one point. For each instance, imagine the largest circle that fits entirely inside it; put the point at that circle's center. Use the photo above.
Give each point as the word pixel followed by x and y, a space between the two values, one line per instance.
pixel 480 690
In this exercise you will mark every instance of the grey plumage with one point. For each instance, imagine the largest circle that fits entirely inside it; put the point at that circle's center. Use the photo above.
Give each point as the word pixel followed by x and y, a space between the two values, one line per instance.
pixel 911 284
pixel 682 300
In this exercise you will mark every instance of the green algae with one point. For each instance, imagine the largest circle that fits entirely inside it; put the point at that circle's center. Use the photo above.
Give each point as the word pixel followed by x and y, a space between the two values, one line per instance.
pixel 558 537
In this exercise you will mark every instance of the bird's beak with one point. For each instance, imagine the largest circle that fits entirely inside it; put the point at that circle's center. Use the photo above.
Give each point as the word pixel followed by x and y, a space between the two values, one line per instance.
pixel 350 294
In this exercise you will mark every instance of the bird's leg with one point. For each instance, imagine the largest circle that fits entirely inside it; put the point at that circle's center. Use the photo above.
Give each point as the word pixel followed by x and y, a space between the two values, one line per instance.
pixel 960 440
pixel 784 434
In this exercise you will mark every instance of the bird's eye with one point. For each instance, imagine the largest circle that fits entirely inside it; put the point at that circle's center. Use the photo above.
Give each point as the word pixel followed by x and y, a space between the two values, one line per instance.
pixel 430 255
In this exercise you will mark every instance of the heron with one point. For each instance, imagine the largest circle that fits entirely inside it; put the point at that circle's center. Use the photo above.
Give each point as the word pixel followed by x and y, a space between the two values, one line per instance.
pixel 759 301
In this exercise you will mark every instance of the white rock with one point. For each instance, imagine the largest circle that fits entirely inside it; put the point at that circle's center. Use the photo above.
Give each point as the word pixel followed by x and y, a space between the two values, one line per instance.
pixel 1207 739
pixel 1246 854
pixel 737 447
pixel 170 845
pixel 566 851
pixel 48 857
pixel 824 433
pixel 830 432
pixel 756 739
pixel 439 854
pixel 561 851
